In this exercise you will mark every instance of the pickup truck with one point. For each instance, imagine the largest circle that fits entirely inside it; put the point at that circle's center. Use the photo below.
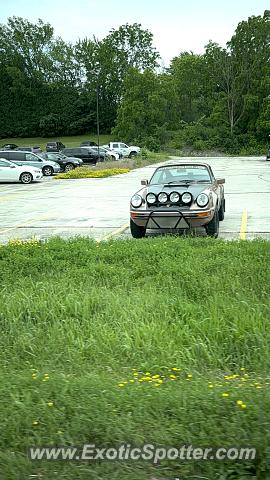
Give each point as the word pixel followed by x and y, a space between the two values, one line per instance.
pixel 120 147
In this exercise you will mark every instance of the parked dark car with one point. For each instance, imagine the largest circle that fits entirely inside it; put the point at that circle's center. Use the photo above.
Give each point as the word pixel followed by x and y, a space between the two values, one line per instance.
pixel 66 163
pixel 86 154
pixel 47 167
pixel 88 143
pixel 54 146
pixel 24 149
pixel 35 149
pixel 9 146
pixel 104 154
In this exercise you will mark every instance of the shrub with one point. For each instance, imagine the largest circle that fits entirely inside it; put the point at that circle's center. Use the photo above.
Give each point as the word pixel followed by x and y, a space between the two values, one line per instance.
pixel 89 173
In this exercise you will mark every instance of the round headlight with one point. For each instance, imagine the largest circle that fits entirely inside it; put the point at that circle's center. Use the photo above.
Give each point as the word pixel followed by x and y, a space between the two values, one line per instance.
pixel 202 200
pixel 136 200
pixel 186 197
pixel 151 198
pixel 174 197
pixel 163 197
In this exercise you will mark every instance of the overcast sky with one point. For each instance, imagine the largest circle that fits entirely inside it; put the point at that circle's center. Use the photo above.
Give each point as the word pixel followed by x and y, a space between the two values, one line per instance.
pixel 177 25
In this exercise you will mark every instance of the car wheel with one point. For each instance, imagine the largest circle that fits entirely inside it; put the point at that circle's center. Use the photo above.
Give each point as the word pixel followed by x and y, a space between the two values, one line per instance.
pixel 136 230
pixel 212 228
pixel 69 167
pixel 47 171
pixel 26 177
pixel 132 154
pixel 221 212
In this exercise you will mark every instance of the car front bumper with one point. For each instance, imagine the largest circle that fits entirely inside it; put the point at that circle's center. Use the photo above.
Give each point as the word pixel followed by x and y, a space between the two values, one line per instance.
pixel 173 219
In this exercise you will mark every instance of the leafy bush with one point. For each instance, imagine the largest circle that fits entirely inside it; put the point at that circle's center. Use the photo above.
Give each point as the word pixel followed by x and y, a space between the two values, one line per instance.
pixel 151 143
pixel 88 173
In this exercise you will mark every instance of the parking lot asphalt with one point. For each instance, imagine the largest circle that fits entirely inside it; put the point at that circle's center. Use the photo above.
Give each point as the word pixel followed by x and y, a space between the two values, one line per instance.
pixel 99 208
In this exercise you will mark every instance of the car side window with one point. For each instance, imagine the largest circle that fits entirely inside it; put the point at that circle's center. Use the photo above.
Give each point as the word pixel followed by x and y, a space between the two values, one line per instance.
pixel 4 155
pixel 123 145
pixel 115 145
pixel 31 158
pixel 17 156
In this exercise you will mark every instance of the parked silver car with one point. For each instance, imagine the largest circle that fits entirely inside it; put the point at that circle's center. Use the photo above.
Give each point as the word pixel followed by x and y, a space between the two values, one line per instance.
pixel 180 196
pixel 47 167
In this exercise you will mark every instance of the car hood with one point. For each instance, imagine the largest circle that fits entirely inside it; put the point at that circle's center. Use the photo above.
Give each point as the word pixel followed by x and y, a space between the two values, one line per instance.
pixel 194 188
pixel 51 163
pixel 134 147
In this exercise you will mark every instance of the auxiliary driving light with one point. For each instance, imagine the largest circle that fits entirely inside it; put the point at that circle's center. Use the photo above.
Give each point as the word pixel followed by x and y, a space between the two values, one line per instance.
pixel 151 198
pixel 162 197
pixel 174 197
pixel 186 197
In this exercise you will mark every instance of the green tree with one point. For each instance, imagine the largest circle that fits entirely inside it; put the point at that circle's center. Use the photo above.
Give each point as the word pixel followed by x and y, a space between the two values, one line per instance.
pixel 145 114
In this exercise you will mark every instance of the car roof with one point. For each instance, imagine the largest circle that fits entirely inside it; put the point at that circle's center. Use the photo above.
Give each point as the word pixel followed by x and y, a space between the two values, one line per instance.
pixel 180 164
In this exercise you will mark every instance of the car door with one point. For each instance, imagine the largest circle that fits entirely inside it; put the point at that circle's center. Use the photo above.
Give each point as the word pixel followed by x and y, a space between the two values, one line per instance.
pixel 91 155
pixel 79 153
pixel 8 171
pixel 33 160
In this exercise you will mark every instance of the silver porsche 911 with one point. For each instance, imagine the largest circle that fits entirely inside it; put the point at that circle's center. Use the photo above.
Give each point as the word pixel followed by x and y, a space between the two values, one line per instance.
pixel 180 196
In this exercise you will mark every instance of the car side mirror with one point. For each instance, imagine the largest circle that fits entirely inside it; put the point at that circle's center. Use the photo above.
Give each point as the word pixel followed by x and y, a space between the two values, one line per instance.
pixel 220 181
pixel 144 182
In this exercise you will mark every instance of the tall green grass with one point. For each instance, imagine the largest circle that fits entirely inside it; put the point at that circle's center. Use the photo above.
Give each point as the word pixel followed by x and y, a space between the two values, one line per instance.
pixel 69 141
pixel 79 318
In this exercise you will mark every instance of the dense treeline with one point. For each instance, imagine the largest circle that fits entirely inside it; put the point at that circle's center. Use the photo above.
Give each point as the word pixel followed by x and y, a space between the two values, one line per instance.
pixel 217 100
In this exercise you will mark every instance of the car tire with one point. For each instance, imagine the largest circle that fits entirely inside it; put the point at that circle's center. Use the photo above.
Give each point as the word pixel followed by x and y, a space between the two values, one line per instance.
pixel 212 228
pixel 136 230
pixel 221 212
pixel 47 171
pixel 69 167
pixel 26 177
pixel 132 154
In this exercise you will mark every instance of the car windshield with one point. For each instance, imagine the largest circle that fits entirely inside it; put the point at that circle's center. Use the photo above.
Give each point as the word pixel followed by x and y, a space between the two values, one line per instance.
pixel 181 174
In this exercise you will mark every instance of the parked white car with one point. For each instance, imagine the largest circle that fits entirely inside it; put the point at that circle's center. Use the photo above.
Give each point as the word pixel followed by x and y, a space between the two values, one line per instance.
pixel 127 151
pixel 10 172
